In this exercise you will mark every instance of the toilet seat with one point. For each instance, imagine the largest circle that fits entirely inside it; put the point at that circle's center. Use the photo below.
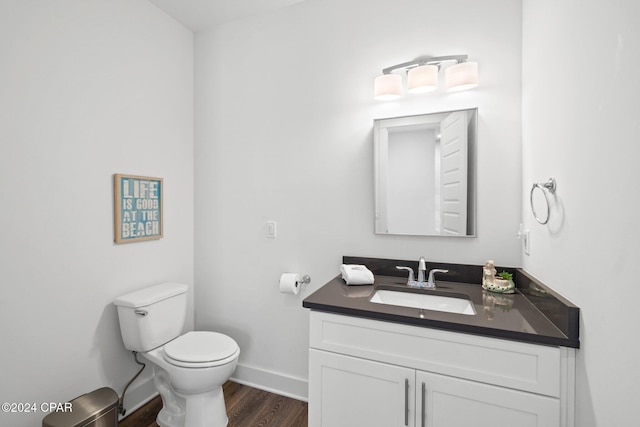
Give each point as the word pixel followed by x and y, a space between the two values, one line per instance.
pixel 201 349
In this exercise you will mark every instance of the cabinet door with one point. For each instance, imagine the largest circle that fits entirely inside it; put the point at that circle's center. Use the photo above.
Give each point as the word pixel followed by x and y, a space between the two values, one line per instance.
pixel 453 402
pixel 346 391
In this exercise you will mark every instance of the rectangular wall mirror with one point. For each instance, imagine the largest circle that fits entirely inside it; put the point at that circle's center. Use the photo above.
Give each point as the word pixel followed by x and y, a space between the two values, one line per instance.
pixel 425 174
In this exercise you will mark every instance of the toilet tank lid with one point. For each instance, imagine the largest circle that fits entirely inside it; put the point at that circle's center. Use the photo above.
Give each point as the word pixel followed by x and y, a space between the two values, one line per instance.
pixel 151 295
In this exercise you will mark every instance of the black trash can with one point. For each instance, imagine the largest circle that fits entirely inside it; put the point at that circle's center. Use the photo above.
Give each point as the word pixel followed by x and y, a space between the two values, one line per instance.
pixel 96 409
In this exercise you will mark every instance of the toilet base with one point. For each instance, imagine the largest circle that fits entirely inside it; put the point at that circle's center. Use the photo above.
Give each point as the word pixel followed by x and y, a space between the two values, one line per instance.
pixel 206 409
pixel 189 410
pixel 172 412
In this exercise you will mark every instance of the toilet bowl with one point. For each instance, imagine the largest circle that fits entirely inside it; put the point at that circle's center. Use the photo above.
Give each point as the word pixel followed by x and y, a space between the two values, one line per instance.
pixel 188 369
pixel 196 365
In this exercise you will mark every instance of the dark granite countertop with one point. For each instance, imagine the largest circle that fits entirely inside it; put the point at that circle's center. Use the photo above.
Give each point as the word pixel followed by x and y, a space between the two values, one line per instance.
pixel 534 314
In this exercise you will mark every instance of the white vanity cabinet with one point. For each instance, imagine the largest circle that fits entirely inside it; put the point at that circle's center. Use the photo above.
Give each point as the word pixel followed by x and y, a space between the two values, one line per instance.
pixel 373 373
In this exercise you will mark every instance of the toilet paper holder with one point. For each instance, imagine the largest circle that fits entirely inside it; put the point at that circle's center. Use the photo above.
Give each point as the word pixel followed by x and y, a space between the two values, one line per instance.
pixel 291 283
pixel 306 279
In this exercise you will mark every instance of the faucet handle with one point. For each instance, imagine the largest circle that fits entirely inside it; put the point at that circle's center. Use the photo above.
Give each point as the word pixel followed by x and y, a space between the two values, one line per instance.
pixel 431 283
pixel 411 278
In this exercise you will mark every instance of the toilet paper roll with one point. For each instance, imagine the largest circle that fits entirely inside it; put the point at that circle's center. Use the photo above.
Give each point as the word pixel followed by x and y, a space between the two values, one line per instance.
pixel 290 283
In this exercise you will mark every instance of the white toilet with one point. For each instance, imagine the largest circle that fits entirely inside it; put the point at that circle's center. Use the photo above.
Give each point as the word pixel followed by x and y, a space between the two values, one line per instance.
pixel 188 369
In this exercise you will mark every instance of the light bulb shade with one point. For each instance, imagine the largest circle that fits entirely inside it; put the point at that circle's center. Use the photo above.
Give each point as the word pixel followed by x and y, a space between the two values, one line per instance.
pixel 423 78
pixel 387 87
pixel 462 76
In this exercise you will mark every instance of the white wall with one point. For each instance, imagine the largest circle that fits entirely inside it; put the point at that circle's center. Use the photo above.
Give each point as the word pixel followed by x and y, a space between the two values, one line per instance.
pixel 580 124
pixel 87 89
pixel 284 118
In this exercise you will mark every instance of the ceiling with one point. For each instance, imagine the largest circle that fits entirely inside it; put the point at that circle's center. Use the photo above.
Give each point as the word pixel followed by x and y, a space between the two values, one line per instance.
pixel 198 15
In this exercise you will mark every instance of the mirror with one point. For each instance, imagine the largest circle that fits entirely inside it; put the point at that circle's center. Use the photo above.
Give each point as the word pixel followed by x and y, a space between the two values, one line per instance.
pixel 425 176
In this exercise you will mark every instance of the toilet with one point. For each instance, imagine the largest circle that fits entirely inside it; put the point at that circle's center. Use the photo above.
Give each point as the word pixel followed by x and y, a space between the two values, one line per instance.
pixel 189 369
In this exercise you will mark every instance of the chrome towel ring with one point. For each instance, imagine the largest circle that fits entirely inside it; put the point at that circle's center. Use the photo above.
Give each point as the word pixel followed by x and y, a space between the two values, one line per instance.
pixel 547 188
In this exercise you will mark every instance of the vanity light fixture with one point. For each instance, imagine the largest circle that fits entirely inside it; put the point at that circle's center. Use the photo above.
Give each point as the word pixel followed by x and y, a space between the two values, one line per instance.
pixel 388 87
pixel 422 76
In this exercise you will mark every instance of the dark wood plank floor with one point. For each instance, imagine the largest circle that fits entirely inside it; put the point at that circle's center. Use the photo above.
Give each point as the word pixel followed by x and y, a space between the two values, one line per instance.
pixel 246 407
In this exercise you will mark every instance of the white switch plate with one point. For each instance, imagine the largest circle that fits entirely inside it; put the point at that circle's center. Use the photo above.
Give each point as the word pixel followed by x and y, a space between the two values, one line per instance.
pixel 271 229
pixel 527 242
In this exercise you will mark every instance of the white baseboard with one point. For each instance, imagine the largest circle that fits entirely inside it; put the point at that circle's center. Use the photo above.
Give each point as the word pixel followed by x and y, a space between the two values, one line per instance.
pixel 273 382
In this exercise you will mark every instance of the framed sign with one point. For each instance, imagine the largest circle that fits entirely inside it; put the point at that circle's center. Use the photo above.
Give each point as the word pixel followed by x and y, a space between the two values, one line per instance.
pixel 138 208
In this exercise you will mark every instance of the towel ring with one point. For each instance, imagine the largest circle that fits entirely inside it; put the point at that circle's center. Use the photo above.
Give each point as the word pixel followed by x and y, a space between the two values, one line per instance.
pixel 547 188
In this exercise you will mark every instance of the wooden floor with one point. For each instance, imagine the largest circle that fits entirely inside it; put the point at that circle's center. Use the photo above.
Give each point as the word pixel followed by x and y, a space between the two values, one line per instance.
pixel 246 407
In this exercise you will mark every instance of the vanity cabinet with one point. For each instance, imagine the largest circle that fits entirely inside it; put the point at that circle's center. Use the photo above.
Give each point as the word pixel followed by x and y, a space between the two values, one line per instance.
pixel 376 373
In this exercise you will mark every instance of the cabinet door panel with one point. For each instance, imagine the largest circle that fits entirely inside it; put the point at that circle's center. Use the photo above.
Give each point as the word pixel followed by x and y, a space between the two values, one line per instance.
pixel 453 402
pixel 346 392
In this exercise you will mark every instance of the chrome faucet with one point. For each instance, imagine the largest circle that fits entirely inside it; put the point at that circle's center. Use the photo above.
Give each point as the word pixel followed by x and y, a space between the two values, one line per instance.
pixel 422 270
pixel 431 282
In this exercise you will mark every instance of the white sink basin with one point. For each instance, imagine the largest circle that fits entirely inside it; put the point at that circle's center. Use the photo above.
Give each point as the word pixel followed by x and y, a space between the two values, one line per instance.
pixel 424 301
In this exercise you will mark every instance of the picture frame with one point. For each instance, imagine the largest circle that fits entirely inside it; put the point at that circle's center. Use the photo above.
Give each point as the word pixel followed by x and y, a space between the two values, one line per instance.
pixel 138 208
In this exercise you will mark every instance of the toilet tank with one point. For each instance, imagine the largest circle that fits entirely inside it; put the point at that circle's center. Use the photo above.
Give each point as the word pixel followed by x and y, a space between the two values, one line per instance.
pixel 152 316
